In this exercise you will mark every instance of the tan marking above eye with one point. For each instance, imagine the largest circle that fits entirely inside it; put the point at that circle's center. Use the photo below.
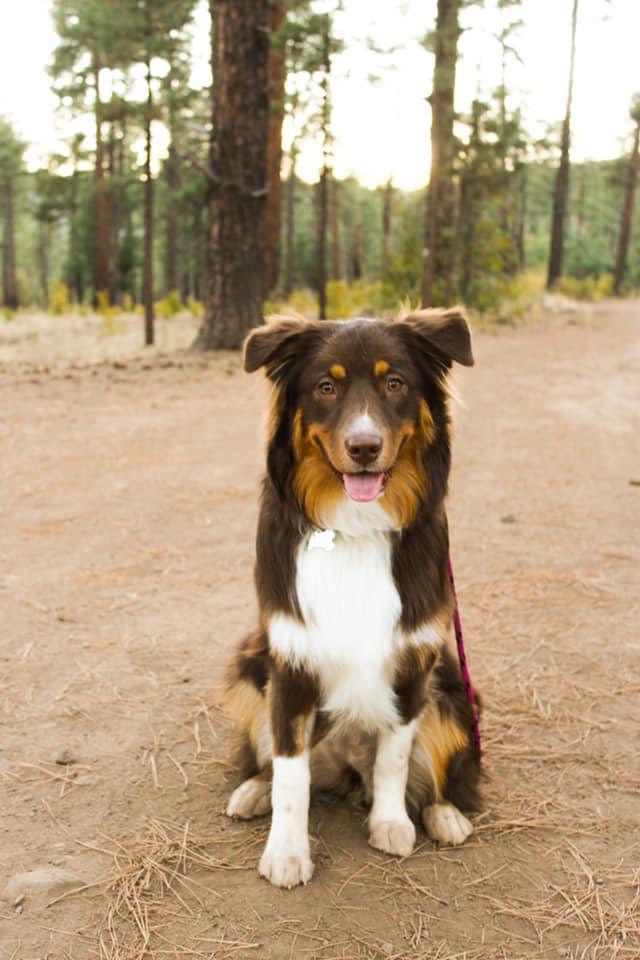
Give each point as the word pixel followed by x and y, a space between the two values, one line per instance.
pixel 338 372
pixel 380 368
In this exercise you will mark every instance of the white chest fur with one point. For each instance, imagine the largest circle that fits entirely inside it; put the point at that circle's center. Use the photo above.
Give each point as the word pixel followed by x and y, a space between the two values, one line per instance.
pixel 351 610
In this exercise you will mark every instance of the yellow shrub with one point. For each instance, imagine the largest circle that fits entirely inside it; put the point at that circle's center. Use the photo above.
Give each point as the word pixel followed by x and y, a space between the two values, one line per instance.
pixel 128 303
pixel 104 307
pixel 195 307
pixel 59 298
pixel 301 301
pixel 605 286
pixel 169 305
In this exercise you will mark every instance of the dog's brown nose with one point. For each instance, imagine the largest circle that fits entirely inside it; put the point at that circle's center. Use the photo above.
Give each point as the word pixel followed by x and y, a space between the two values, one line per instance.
pixel 363 447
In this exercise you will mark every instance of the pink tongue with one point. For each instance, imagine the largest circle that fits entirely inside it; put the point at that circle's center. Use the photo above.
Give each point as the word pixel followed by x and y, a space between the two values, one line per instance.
pixel 363 487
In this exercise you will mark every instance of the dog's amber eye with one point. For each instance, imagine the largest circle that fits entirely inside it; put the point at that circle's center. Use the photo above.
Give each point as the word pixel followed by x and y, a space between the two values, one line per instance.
pixel 326 388
pixel 394 384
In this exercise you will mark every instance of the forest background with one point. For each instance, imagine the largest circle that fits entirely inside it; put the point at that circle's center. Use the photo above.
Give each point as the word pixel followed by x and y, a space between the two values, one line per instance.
pixel 120 216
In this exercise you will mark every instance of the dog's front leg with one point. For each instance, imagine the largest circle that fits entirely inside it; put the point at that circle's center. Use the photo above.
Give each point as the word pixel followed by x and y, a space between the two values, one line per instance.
pixel 390 828
pixel 286 860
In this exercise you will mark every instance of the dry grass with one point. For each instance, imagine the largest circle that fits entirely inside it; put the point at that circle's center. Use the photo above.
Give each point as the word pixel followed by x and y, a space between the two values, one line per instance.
pixel 148 871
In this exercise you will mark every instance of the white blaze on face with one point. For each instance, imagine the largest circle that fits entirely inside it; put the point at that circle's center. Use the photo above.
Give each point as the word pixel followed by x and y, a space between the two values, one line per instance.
pixel 363 423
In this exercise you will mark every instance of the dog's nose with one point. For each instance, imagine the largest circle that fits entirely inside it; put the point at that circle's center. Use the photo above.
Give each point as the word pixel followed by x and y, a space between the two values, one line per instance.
pixel 364 447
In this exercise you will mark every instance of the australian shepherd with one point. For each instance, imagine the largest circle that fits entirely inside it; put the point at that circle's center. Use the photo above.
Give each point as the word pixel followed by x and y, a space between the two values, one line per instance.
pixel 348 679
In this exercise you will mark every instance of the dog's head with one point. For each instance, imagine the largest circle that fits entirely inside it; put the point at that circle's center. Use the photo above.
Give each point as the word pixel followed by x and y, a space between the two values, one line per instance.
pixel 359 408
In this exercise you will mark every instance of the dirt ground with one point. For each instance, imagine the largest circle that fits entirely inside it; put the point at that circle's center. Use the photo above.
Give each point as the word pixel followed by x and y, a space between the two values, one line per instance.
pixel 128 504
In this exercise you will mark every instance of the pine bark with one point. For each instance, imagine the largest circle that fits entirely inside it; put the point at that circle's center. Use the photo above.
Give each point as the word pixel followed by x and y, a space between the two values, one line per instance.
pixel 276 76
pixel 437 277
pixel 9 280
pixel 238 158
pixel 561 185
pixel 624 236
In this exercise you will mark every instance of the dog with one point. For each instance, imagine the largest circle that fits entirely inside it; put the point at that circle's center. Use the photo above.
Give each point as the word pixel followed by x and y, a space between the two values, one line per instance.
pixel 348 679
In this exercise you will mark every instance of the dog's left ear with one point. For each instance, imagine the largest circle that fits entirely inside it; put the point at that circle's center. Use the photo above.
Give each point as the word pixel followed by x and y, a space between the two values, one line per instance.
pixel 444 333
pixel 274 344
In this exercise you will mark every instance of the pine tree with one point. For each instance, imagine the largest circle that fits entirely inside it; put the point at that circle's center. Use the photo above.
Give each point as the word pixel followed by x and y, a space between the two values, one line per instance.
pixel 11 168
pixel 624 235
pixel 437 278
pixel 561 186
pixel 238 159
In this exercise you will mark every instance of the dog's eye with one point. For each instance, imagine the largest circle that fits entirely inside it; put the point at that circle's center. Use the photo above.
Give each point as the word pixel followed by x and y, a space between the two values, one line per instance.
pixel 326 388
pixel 394 384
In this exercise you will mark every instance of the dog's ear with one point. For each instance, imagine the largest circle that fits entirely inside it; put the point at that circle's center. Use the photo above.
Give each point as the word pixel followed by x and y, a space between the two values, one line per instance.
pixel 274 344
pixel 442 333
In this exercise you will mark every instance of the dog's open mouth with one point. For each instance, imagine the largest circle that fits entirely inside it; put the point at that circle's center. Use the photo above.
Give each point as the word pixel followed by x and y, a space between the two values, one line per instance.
pixel 363 487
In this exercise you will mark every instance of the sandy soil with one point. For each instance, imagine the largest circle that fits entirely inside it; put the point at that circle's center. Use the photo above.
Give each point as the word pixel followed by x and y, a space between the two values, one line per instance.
pixel 127 514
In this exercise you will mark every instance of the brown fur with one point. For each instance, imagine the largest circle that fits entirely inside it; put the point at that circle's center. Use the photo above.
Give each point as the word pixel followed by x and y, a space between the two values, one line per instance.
pixel 276 701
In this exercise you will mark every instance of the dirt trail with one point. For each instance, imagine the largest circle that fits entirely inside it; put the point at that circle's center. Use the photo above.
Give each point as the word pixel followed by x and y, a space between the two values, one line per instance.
pixel 128 503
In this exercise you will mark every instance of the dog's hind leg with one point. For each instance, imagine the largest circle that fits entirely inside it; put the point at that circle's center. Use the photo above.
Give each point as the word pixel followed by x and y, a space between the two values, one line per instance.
pixel 246 700
pixel 252 798
pixel 443 776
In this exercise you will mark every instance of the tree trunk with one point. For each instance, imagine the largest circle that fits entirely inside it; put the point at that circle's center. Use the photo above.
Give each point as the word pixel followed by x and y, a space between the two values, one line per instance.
pixel 290 223
pixel 561 186
pixel 238 159
pixel 321 242
pixel 114 216
pixel 627 213
pixel 274 147
pixel 147 283
pixel 323 184
pixel 101 203
pixel 387 196
pixel 9 280
pixel 44 244
pixel 334 219
pixel 437 275
pixel 171 239
pixel 358 246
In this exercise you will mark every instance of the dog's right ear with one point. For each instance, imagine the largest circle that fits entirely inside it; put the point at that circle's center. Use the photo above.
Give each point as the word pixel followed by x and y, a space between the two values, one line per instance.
pixel 274 344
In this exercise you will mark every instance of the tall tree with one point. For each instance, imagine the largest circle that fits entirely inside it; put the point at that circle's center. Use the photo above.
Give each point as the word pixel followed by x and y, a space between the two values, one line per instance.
pixel 561 186
pixel 325 171
pixel 624 236
pixel 387 198
pixel 11 167
pixel 238 159
pixel 278 9
pixel 86 53
pixel 439 231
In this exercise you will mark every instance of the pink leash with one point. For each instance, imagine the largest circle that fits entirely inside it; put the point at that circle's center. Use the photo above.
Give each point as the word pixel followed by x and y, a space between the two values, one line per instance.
pixel 462 657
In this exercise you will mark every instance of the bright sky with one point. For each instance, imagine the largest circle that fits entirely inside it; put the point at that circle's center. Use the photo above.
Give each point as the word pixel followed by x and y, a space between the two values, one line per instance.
pixel 382 129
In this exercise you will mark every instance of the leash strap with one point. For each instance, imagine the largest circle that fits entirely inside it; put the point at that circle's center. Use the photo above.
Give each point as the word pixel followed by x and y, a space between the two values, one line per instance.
pixel 462 657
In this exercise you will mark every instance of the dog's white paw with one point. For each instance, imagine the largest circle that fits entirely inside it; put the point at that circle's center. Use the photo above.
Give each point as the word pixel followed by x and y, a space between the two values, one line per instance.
pixel 393 836
pixel 444 823
pixel 251 799
pixel 287 864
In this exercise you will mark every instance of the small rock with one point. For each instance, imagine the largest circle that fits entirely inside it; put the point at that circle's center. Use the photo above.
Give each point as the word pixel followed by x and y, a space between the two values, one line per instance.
pixel 64 758
pixel 45 881
pixel 508 518
pixel 87 779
